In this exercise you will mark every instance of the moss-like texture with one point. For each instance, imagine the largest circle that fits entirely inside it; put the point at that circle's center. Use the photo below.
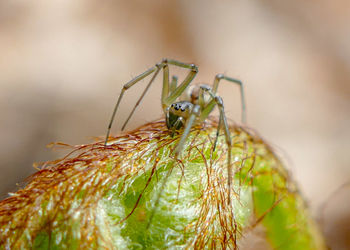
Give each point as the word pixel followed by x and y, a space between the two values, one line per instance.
pixel 133 194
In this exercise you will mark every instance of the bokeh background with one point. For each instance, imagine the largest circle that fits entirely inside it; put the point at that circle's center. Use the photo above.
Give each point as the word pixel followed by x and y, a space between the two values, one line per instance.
pixel 62 64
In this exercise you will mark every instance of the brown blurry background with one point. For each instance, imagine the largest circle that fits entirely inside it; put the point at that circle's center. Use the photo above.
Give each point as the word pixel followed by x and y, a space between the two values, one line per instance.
pixel 62 64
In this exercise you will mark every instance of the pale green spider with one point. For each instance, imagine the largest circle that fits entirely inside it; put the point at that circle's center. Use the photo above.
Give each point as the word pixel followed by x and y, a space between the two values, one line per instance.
pixel 195 106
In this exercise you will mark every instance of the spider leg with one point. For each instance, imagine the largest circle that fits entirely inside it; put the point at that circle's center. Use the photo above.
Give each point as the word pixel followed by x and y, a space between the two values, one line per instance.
pixel 217 132
pixel 219 102
pixel 165 89
pixel 229 145
pixel 128 85
pixel 207 109
pixel 155 69
pixel 182 87
pixel 219 77
pixel 176 124
pixel 173 84
pixel 142 95
pixel 194 114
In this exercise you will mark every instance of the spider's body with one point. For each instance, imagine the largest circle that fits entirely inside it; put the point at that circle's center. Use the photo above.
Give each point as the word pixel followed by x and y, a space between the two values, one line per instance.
pixel 178 113
pixel 185 105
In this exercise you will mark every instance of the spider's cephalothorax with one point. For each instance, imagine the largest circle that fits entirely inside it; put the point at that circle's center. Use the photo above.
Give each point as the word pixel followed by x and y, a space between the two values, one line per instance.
pixel 185 105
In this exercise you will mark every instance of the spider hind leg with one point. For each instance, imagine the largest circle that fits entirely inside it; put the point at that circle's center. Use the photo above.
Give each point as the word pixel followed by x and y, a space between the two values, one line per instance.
pixel 217 100
pixel 220 77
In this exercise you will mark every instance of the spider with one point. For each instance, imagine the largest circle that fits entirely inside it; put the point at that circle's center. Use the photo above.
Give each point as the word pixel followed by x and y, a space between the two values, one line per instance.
pixel 196 103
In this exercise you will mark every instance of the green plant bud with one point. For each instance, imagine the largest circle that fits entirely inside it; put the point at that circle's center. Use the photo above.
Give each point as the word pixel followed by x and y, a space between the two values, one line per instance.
pixel 134 194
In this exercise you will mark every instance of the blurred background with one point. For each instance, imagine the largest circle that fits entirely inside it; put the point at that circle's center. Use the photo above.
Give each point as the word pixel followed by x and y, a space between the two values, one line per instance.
pixel 62 65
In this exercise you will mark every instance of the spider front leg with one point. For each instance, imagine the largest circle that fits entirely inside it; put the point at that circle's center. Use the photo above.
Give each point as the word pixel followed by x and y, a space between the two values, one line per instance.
pixel 128 85
pixel 173 84
pixel 169 95
pixel 194 114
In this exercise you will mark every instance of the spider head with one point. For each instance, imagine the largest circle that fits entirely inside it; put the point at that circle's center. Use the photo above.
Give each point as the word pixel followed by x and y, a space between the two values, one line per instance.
pixel 177 114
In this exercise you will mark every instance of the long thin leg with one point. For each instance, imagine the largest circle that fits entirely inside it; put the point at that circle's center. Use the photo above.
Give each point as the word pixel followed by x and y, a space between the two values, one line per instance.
pixel 229 147
pixel 140 98
pixel 179 146
pixel 176 124
pixel 206 109
pixel 194 114
pixel 219 77
pixel 127 86
pixel 217 132
pixel 173 84
pixel 218 100
pixel 165 89
pixel 182 87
